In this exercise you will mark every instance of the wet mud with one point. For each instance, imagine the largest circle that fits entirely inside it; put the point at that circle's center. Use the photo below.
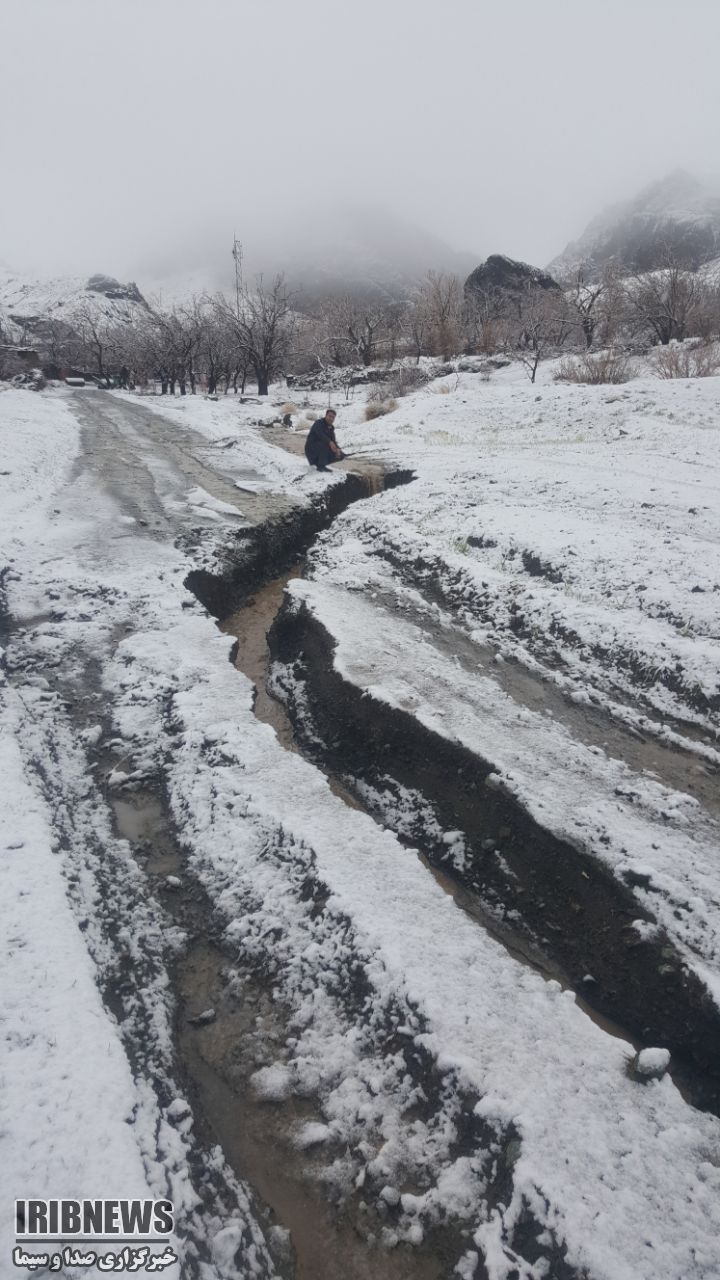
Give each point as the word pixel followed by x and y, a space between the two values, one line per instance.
pixel 229 1022
pixel 592 725
pixel 573 917
pixel 572 907
pixel 449 592
pixel 258 555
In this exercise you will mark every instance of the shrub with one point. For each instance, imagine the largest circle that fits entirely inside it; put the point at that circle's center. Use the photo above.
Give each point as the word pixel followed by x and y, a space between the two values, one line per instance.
pixel 683 360
pixel 377 408
pixel 404 380
pixel 601 367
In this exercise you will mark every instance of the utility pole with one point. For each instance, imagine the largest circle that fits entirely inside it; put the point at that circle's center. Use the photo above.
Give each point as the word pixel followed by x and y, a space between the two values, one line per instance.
pixel 237 254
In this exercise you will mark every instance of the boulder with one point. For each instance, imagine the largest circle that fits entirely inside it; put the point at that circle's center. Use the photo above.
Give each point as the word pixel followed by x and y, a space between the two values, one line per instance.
pixel 499 278
pixel 112 288
pixel 650 1064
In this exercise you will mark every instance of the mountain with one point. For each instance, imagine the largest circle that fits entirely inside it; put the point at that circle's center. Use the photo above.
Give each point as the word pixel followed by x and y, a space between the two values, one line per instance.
pixel 678 215
pixel 28 305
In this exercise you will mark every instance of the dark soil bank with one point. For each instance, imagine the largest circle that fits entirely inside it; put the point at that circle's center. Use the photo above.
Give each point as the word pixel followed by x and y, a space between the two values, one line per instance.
pixel 267 550
pixel 569 901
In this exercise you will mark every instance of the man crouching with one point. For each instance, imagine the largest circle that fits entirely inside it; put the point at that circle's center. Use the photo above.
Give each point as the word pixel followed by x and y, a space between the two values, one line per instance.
pixel 321 447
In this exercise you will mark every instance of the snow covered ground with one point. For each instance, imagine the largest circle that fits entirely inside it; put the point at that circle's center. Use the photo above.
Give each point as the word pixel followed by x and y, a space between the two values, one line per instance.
pixel 570 533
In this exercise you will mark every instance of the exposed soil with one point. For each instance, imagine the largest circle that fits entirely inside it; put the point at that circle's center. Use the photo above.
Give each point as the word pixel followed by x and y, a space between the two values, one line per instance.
pixel 216 1060
pixel 450 593
pixel 580 915
pixel 665 762
pixel 573 916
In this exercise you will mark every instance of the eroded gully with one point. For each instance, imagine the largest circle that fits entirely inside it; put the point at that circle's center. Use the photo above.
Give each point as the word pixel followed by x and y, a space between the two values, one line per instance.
pixel 219 1057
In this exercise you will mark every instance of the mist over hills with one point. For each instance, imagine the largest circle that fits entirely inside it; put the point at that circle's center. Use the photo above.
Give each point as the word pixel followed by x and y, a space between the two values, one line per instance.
pixel 363 250
pixel 677 215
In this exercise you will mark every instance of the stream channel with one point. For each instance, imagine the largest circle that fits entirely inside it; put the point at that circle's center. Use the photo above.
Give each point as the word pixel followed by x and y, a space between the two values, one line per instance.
pixel 218 1054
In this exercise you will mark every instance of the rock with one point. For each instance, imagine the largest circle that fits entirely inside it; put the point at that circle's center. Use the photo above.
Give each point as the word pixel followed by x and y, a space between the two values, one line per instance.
pixel 650 1064
pixel 499 279
pixel 312 1134
pixel 178 1109
pixel 202 1019
pixel 112 288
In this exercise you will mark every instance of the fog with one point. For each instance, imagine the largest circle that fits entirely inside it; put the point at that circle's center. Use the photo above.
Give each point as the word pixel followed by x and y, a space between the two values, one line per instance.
pixel 138 136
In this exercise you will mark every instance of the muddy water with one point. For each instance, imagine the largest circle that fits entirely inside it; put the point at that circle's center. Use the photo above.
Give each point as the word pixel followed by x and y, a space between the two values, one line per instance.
pixel 250 627
pixel 257 1137
pixel 217 1060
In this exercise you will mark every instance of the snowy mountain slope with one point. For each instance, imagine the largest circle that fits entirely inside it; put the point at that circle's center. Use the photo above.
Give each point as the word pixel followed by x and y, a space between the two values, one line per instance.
pixel 678 214
pixel 27 304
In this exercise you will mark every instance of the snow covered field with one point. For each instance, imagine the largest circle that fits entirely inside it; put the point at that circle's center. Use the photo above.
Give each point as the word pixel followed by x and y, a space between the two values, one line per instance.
pixel 541 599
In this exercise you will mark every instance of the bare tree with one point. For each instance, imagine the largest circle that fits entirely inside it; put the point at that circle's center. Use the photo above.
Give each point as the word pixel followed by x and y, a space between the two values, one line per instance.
pixel 584 296
pixel 261 323
pixel 536 326
pixel 662 301
pixel 417 323
pixel 360 329
pixel 443 300
pixel 97 336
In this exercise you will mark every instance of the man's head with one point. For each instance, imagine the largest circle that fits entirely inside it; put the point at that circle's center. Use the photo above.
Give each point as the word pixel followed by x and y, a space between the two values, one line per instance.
pixel 330 416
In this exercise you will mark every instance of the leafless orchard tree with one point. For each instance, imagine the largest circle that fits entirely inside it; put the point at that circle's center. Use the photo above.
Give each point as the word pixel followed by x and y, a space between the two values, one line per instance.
pixel 99 340
pixel 485 324
pixel 584 296
pixel 417 323
pixel 360 329
pixel 443 300
pixel 537 326
pixel 663 301
pixel 261 323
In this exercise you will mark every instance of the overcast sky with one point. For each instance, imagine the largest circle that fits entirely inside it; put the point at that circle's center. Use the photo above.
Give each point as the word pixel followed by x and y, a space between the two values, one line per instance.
pixel 129 126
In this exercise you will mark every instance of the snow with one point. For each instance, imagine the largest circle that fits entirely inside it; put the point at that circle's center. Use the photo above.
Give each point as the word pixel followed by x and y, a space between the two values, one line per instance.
pixel 61 298
pixel 66 1114
pixel 628 821
pixel 76 1119
pixel 557 1077
pixel 652 1062
pixel 378 963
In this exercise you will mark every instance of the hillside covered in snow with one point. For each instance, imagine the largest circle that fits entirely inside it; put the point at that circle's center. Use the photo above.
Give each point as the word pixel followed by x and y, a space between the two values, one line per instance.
pixel 678 216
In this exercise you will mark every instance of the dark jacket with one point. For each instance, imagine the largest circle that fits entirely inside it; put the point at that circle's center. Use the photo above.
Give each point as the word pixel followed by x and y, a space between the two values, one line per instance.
pixel 317 444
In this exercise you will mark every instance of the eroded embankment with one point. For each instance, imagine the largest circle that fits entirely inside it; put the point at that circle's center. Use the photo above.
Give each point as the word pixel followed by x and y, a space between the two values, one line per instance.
pixel 581 915
pixel 262 553
pixel 329 1235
